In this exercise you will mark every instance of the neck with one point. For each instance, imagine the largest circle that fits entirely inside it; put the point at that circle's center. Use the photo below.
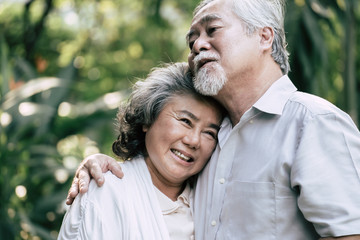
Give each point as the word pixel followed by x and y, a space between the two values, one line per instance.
pixel 170 189
pixel 172 192
pixel 240 94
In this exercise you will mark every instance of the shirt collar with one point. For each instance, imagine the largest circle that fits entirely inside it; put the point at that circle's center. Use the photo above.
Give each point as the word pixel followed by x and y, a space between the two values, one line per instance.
pixel 167 205
pixel 225 130
pixel 275 98
pixel 273 102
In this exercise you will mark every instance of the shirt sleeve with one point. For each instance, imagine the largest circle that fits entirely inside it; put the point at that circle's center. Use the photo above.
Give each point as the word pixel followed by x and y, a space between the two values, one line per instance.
pixel 326 174
pixel 83 220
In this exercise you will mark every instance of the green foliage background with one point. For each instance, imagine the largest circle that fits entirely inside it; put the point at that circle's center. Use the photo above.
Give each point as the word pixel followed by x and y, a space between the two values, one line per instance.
pixel 66 65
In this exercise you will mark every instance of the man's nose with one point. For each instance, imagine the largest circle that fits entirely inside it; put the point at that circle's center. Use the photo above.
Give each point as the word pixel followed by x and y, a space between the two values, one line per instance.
pixel 201 44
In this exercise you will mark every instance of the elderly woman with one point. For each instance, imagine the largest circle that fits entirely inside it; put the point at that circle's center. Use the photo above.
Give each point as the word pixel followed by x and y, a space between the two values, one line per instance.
pixel 167 133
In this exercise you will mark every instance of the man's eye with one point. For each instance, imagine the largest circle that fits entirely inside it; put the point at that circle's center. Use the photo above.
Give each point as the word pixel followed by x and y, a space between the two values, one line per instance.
pixel 211 30
pixel 191 44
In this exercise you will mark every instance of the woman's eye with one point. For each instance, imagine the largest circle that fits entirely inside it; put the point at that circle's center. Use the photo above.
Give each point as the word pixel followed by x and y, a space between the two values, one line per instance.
pixel 185 120
pixel 212 134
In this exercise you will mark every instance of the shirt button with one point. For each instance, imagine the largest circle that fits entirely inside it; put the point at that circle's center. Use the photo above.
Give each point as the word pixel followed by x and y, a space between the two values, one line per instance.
pixel 213 223
pixel 251 121
pixel 222 180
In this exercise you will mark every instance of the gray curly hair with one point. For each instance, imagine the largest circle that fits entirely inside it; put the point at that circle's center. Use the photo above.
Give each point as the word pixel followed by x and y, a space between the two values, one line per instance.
pixel 147 100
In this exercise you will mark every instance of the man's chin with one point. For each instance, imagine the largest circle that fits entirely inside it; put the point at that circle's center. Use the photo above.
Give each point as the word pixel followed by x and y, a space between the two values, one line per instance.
pixel 206 92
pixel 207 83
pixel 207 88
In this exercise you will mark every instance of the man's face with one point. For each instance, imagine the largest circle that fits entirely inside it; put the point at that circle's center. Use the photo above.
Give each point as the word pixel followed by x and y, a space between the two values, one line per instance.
pixel 220 49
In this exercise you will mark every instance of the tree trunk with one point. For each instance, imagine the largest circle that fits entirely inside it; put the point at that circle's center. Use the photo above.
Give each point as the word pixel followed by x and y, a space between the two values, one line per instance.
pixel 349 69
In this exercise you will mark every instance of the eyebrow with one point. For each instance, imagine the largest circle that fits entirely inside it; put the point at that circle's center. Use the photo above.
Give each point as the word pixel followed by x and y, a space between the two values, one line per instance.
pixel 192 116
pixel 206 19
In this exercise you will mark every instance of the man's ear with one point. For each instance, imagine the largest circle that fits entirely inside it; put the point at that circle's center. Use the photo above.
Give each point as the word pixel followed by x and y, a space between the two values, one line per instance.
pixel 267 38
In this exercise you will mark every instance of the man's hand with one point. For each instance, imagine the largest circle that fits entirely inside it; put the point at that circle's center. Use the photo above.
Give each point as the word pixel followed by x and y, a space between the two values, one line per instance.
pixel 93 166
pixel 352 237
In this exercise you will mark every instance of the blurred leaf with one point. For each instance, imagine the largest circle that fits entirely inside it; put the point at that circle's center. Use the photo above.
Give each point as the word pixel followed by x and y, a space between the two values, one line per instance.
pixel 66 65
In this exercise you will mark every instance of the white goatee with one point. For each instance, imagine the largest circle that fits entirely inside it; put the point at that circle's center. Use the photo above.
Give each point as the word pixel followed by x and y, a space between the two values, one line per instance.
pixel 209 79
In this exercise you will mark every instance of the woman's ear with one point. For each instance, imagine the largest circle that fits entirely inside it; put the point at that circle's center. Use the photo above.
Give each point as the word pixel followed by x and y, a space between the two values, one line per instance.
pixel 267 38
pixel 145 128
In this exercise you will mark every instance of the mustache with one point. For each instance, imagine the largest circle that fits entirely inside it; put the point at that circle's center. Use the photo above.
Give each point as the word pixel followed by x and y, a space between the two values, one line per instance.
pixel 204 57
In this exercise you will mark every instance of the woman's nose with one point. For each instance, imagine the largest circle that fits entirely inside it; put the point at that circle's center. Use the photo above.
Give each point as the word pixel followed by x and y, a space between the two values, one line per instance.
pixel 192 139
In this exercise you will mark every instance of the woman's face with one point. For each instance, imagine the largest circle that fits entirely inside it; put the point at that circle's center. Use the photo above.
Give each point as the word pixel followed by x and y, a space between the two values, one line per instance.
pixel 182 139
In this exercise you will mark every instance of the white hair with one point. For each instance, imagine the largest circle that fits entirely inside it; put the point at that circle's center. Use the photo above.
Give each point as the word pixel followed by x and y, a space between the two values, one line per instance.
pixel 258 14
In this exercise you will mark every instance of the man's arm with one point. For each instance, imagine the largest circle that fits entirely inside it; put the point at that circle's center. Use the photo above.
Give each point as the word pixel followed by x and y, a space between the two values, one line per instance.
pixel 92 167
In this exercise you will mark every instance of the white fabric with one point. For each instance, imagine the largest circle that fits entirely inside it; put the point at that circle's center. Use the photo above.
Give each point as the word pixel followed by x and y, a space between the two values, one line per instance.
pixel 177 214
pixel 125 208
pixel 290 169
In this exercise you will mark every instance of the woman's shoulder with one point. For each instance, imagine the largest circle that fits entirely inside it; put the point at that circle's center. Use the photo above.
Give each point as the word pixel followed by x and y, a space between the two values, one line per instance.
pixel 129 167
pixel 132 169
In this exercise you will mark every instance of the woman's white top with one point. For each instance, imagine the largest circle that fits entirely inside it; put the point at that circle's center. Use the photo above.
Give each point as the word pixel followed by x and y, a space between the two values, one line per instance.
pixel 126 208
pixel 178 214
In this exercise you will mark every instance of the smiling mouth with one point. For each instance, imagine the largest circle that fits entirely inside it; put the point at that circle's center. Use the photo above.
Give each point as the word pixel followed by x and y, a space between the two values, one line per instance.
pixel 182 156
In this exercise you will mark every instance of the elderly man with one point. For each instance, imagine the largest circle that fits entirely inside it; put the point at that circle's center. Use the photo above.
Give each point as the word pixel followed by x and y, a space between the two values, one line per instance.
pixel 287 164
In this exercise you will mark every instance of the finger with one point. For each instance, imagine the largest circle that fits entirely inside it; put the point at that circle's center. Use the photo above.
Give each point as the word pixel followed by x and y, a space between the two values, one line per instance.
pixel 115 168
pixel 69 201
pixel 73 191
pixel 84 180
pixel 95 171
